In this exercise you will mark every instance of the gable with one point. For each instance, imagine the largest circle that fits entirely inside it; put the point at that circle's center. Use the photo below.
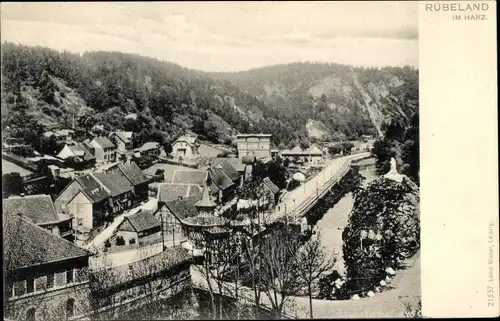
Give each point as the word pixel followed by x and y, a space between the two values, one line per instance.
pixel 126 226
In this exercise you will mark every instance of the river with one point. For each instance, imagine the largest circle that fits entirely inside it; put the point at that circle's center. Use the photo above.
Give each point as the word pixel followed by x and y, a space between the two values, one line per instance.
pixel 333 222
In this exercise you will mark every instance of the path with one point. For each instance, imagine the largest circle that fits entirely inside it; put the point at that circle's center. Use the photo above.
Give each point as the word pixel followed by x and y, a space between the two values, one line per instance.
pixel 109 230
pixel 389 303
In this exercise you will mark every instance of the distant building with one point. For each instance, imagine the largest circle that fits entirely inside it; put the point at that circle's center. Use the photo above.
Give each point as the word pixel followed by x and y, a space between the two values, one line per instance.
pixel 313 155
pixel 40 210
pixel 258 145
pixel 149 149
pixel 104 149
pixel 123 142
pixel 224 180
pixel 80 154
pixel 185 147
pixel 46 276
pixel 64 135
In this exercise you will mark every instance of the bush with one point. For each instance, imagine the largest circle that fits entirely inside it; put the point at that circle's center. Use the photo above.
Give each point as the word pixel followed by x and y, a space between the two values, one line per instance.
pixel 131 241
pixel 107 243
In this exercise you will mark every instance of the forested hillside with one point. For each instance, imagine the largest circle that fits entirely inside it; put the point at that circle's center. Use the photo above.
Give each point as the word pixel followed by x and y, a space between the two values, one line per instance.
pixel 43 88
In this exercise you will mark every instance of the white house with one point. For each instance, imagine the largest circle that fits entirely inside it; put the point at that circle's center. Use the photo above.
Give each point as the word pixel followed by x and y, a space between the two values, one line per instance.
pixel 104 149
pixel 185 147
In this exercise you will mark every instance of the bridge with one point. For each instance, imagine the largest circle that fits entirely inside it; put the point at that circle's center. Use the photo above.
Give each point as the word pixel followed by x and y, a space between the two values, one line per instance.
pixel 295 204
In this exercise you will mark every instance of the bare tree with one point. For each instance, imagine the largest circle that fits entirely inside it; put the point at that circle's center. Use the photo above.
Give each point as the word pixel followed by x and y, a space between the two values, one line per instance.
pixel 314 261
pixel 280 267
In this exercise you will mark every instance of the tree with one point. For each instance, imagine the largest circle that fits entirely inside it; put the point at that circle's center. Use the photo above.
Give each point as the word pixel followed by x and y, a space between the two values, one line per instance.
pixel 335 149
pixel 12 184
pixel 168 148
pixel 314 262
pixel 383 229
pixel 279 272
pixel 286 162
pixel 86 122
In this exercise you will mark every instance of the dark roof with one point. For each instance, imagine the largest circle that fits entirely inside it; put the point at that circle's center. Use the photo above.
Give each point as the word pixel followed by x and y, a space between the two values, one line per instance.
pixel 104 142
pixel 236 163
pixel 183 208
pixel 220 179
pixel 26 244
pixel 169 192
pixel 38 208
pixel 229 170
pixel 143 221
pixel 189 177
pixel 131 272
pixel 133 173
pixel 92 188
pixel 115 182
pixel 270 185
pixel 87 155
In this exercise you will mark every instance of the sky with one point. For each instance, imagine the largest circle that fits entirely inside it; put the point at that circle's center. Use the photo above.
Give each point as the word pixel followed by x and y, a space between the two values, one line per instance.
pixel 224 36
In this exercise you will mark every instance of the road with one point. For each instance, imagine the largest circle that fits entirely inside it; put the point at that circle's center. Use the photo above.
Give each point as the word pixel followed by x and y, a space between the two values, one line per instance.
pixel 306 193
pixel 404 288
pixel 109 230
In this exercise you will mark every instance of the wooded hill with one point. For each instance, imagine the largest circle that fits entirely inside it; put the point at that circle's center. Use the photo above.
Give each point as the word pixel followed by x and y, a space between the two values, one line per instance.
pixel 43 88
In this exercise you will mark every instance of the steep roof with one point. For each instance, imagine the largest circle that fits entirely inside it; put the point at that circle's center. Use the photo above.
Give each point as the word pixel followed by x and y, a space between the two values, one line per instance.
pixel 133 173
pixel 81 151
pixel 190 177
pixel 191 140
pixel 169 192
pixel 220 179
pixel 229 170
pixel 38 208
pixel 270 185
pixel 126 137
pixel 115 182
pixel 206 201
pixel 26 244
pixel 183 208
pixel 314 150
pixel 143 221
pixel 92 188
pixel 104 142
pixel 236 163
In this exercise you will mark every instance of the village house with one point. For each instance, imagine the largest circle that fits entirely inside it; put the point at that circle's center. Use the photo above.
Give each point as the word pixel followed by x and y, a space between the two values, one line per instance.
pixel 46 276
pixel 85 199
pixel 61 135
pixel 136 177
pixel 104 149
pixel 258 145
pixel 188 218
pixel 141 228
pixel 185 147
pixel 40 210
pixel 149 149
pixel 95 196
pixel 224 180
pixel 312 155
pixel 123 143
pixel 272 192
pixel 79 154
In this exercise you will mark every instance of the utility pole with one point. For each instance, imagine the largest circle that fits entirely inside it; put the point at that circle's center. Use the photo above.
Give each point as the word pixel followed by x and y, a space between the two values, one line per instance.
pixel 163 233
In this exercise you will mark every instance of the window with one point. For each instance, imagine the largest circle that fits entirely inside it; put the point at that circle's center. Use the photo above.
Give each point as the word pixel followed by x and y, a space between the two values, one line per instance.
pixel 30 315
pixel 70 308
pixel 69 276
pixel 50 281
pixel 30 284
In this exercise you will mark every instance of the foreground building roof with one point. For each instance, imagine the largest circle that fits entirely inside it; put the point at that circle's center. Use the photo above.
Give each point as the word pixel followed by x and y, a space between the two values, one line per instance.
pixel 38 208
pixel 26 244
